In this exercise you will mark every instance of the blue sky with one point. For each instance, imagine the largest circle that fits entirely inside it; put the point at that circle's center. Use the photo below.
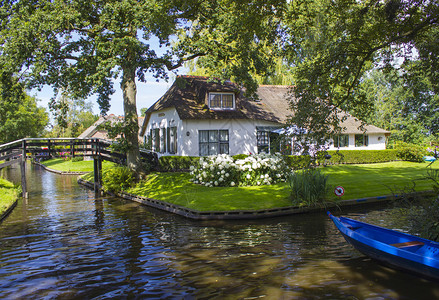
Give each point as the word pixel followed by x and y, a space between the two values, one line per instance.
pixel 147 93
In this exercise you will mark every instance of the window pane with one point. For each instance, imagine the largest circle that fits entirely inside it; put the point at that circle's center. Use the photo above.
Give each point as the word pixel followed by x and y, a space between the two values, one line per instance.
pixel 262 138
pixel 366 140
pixel 359 140
pixel 227 101
pixel 215 100
pixel 213 148
pixel 224 135
pixel 344 140
pixel 224 148
pixel 204 149
pixel 204 136
pixel 213 135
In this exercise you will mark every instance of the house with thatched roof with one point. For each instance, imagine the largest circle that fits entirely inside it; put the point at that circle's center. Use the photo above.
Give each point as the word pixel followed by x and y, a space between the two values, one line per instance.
pixel 198 116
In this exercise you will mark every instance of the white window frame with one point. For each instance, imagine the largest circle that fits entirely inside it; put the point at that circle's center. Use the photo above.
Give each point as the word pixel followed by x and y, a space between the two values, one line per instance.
pixel 222 104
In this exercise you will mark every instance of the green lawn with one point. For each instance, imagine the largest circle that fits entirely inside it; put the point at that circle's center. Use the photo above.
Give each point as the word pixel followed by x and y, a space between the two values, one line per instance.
pixel 60 164
pixel 8 194
pixel 370 180
pixel 359 181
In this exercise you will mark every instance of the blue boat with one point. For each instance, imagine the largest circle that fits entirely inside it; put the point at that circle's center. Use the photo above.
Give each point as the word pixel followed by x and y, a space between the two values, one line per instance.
pixel 396 249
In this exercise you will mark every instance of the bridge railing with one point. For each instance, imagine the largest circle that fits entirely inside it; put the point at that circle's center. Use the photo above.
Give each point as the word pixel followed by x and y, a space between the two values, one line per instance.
pixel 46 148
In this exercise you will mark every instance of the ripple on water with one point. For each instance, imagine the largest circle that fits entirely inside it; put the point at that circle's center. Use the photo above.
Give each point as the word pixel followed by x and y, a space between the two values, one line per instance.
pixel 63 243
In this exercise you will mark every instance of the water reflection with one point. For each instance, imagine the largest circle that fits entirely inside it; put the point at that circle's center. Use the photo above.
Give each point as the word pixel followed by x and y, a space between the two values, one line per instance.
pixel 66 243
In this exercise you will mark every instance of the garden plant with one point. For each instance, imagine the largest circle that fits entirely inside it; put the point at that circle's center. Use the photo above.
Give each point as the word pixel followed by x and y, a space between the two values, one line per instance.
pixel 224 170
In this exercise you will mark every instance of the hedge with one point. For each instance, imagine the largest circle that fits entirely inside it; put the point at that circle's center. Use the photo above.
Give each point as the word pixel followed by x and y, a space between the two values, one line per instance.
pixel 183 163
pixel 361 156
pixel 177 163
pixel 344 157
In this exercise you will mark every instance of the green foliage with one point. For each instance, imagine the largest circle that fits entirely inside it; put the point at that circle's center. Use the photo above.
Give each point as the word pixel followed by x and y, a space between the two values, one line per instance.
pixel 72 117
pixel 297 162
pixel 20 117
pixel 77 158
pixel 331 45
pixel 308 187
pixel 410 152
pixel 177 163
pixel 402 104
pixel 117 178
pixel 361 156
pixel 9 194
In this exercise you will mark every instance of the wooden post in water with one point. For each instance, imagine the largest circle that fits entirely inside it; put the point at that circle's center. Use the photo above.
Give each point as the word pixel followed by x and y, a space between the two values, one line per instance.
pixel 97 167
pixel 23 170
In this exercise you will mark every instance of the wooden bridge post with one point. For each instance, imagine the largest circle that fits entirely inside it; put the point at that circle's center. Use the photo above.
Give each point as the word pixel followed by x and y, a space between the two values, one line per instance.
pixel 97 167
pixel 49 149
pixel 23 170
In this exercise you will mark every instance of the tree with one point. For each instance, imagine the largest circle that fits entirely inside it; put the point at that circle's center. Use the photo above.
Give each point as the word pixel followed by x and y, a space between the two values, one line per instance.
pixel 20 117
pixel 72 117
pixel 80 47
pixel 402 105
pixel 331 44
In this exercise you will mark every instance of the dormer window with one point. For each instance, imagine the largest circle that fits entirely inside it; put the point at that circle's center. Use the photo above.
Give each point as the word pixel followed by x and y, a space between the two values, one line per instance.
pixel 221 100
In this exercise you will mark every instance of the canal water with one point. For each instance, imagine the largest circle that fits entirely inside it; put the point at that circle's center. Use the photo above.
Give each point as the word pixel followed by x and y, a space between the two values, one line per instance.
pixel 65 243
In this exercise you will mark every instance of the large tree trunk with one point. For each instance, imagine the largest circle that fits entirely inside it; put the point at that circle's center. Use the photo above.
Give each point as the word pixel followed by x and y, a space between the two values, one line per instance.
pixel 129 91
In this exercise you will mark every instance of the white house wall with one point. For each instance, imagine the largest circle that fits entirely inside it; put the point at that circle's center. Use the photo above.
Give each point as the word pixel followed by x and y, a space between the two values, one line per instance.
pixel 242 133
pixel 377 141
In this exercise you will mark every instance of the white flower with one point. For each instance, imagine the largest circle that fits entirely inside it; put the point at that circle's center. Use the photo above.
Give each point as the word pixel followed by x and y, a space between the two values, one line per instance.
pixel 266 176
pixel 191 168
pixel 232 183
pixel 216 182
pixel 227 174
pixel 262 176
pixel 248 176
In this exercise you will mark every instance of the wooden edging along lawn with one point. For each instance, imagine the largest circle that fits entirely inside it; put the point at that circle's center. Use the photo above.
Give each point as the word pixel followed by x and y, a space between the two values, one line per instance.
pixel 239 214
pixel 59 172
pixel 8 211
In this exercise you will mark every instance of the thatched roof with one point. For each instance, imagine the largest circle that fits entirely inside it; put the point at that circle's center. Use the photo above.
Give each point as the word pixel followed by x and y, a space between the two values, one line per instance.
pixel 188 95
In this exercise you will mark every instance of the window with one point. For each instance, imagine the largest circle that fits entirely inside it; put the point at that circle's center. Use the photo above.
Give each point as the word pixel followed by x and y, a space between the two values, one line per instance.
pixel 163 140
pixel 172 140
pixel 361 140
pixel 156 139
pixel 221 100
pixel 341 141
pixel 263 139
pixel 213 142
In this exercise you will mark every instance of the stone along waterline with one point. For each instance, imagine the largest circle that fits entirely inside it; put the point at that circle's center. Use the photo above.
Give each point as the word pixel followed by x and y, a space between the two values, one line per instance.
pixel 63 242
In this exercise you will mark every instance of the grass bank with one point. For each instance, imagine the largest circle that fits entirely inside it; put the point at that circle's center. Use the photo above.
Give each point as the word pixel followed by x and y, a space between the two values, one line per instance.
pixel 60 164
pixel 359 181
pixel 8 195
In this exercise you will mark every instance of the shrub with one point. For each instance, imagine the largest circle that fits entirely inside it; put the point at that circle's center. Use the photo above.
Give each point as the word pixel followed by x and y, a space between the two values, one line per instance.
pixel 343 157
pixel 308 187
pixel 117 178
pixel 77 158
pixel 361 156
pixel 177 163
pixel 224 170
pixel 410 152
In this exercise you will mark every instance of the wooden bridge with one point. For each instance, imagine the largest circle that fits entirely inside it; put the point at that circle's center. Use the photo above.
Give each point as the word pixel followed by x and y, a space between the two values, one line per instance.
pixel 17 152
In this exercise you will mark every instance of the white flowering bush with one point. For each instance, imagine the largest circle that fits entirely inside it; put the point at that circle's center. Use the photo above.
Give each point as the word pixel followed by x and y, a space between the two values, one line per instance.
pixel 223 170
